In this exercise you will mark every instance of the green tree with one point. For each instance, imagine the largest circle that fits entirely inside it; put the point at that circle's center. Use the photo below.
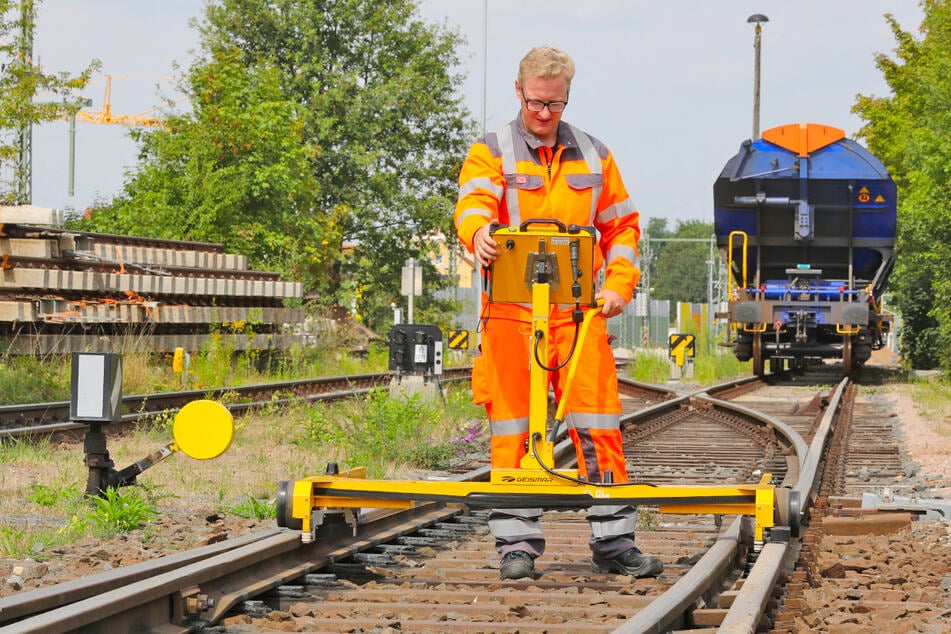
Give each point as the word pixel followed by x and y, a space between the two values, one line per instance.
pixel 910 130
pixel 235 170
pixel 21 81
pixel 333 161
pixel 680 270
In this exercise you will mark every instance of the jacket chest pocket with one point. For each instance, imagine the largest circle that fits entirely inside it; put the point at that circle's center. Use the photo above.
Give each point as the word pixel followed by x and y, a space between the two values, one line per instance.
pixel 523 181
pixel 581 182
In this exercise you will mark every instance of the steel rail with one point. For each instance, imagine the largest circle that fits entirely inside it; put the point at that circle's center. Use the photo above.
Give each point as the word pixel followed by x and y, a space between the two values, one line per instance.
pixel 667 611
pixel 749 605
pixel 189 597
pixel 19 606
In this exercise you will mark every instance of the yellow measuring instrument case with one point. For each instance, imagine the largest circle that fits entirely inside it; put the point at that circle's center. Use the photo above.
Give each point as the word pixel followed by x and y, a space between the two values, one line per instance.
pixel 542 250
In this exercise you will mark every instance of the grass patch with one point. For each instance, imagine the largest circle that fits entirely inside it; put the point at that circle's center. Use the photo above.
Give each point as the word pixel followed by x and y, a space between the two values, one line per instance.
pixel 120 511
pixel 34 379
pixel 387 434
pixel 718 366
pixel 933 401
pixel 649 366
pixel 26 379
pixel 253 509
pixel 710 366
pixel 54 515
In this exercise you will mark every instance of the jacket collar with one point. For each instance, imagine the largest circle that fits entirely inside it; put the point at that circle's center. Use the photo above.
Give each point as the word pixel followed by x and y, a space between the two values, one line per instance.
pixel 565 137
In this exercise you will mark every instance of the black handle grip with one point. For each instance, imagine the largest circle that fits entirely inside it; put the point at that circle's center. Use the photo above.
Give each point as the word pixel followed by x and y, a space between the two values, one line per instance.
pixel 544 221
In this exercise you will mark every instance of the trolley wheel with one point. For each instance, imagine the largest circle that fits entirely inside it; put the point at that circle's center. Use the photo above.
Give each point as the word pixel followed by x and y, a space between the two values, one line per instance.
pixel 758 366
pixel 846 355
pixel 285 505
pixel 787 510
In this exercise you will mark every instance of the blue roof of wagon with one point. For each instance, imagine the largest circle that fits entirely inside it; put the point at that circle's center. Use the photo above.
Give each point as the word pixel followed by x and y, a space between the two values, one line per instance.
pixel 831 155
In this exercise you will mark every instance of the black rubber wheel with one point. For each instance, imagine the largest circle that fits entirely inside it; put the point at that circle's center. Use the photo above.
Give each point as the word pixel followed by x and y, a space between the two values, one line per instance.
pixel 787 511
pixel 285 505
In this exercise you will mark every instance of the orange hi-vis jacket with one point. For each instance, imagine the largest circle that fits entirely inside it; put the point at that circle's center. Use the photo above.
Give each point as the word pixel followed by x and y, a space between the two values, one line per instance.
pixel 510 177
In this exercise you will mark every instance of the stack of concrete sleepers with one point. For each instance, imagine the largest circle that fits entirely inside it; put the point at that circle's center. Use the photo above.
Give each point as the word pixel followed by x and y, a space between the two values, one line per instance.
pixel 63 290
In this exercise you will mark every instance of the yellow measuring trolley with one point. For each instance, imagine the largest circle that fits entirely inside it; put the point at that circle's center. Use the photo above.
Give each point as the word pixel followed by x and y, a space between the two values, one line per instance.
pixel 541 262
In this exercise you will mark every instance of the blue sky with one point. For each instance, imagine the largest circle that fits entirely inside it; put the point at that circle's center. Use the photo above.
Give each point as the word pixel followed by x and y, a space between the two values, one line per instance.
pixel 667 85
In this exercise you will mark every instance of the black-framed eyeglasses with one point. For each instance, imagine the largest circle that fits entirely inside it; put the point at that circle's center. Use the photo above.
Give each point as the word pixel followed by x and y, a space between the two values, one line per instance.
pixel 535 105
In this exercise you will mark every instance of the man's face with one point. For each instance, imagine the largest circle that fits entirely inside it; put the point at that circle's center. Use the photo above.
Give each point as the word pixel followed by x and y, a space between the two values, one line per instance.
pixel 543 124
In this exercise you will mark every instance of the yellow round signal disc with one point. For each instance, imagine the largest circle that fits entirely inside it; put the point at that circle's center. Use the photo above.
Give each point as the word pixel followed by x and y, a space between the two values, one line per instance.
pixel 203 429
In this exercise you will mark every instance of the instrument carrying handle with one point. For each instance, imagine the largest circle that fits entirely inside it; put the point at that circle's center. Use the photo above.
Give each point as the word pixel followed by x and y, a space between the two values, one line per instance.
pixel 548 221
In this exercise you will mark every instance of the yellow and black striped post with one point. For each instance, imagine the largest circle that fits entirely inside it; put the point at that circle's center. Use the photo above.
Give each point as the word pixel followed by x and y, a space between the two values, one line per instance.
pixel 458 339
pixel 682 348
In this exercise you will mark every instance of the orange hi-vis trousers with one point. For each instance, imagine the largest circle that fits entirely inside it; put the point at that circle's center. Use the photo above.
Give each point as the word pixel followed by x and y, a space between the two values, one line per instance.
pixel 501 381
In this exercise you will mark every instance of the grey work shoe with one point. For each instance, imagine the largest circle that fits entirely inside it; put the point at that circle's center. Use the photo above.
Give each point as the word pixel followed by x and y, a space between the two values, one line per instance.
pixel 517 564
pixel 630 562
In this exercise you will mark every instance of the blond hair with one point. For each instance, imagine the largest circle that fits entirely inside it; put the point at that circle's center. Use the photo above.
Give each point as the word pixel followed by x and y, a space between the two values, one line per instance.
pixel 545 62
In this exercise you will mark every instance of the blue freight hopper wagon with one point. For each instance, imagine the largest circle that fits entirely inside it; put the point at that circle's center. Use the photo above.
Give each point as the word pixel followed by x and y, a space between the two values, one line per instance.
pixel 805 219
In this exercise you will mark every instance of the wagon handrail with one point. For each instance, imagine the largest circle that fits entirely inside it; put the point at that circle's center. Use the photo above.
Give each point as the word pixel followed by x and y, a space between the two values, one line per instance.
pixel 730 256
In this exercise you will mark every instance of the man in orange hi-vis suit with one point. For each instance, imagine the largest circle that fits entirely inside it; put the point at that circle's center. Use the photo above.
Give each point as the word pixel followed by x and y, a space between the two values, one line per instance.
pixel 538 166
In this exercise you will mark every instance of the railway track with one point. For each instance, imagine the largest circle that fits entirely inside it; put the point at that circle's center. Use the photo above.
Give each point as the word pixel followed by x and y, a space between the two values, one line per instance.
pixel 433 569
pixel 44 419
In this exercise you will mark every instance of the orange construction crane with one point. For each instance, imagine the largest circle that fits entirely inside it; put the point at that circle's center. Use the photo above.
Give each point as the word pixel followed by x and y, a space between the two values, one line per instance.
pixel 104 114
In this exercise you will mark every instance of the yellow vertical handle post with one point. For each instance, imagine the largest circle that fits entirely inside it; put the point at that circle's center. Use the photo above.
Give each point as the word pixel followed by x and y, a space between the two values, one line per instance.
pixel 573 366
pixel 538 397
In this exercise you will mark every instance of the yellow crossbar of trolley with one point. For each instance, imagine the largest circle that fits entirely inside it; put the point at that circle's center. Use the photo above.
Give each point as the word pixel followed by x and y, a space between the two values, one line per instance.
pixel 524 488
pixel 536 484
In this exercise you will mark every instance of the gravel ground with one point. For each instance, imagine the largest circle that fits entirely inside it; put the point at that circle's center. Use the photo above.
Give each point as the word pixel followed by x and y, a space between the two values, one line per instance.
pixel 171 533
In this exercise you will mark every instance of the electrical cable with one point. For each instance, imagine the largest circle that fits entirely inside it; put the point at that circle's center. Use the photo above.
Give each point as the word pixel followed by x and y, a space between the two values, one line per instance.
pixel 571 352
pixel 562 476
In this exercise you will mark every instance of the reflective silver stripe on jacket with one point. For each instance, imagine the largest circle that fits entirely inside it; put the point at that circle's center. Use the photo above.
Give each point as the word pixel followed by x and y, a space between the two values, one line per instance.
pixel 480 183
pixel 507 148
pixel 591 157
pixel 617 210
pixel 508 427
pixel 622 251
pixel 475 211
